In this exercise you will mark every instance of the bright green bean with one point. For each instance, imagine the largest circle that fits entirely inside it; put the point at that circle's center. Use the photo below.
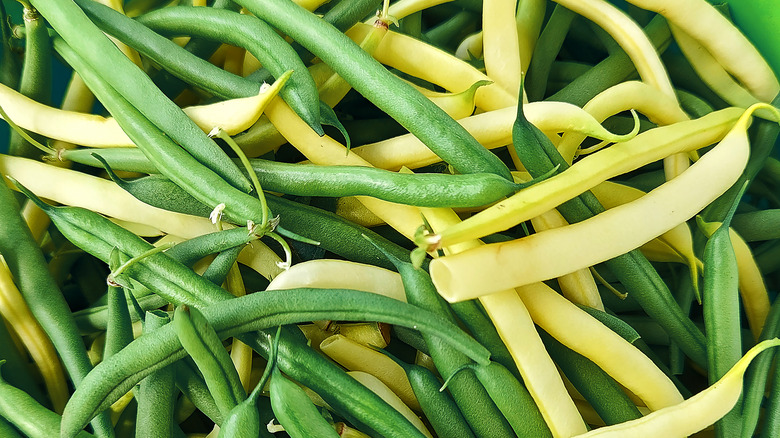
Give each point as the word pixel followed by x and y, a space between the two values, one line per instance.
pixel 419 115
pixel 156 393
pixel 249 33
pixel 119 327
pixel 295 410
pixel 31 274
pixel 134 86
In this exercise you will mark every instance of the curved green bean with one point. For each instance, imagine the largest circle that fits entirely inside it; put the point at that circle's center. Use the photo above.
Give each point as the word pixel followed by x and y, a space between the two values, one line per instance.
pixel 132 85
pixel 146 354
pixel 295 410
pixel 448 139
pixel 251 34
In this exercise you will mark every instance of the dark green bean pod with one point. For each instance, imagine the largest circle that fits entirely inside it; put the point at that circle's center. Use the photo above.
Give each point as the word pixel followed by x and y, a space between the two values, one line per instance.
pixel 35 81
pixel 757 376
pixel 334 233
pixel 119 326
pixel 205 347
pixel 720 305
pixel 127 159
pixel 617 325
pixel 640 278
pixel 599 389
pixel 45 300
pixel 295 411
pixel 10 65
pixel 547 48
pixel 443 135
pixel 456 28
pixel 132 85
pixel 512 399
pixel 439 408
pixel 758 225
pixel 191 384
pixel 471 397
pixel 168 54
pixel 218 269
pixel 173 161
pixel 28 415
pixel 8 430
pixel 296 358
pixel 113 377
pixel 156 393
pixel 252 34
pixel 771 426
pixel 420 189
pixel 95 318
pixel 192 250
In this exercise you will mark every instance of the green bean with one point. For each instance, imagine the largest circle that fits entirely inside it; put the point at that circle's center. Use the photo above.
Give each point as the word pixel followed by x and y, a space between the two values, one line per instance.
pixel 156 394
pixel 439 408
pixel 134 86
pixel 204 346
pixel 547 48
pixel 191 384
pixel 473 400
pixel 119 327
pixel 757 225
pixel 446 34
pixel 95 318
pixel 296 359
pixel 35 80
pixel 218 269
pixel 28 415
pixel 168 54
pixel 295 410
pixel 8 430
pixel 720 301
pixel 757 375
pixel 31 274
pixel 599 389
pixel 126 159
pixel 771 426
pixel 511 397
pixel 539 155
pixel 192 250
pixel 617 325
pixel 146 354
pixel 412 338
pixel 249 33
pixel 171 160
pixel 10 64
pixel 448 139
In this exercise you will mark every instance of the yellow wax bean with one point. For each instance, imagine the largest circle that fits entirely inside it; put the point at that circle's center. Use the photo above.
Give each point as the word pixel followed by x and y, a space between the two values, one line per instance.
pixel 629 35
pixel 492 129
pixel 579 286
pixel 721 39
pixel 261 259
pixel 404 8
pixel 516 329
pixel 592 339
pixel 616 231
pixel 711 72
pixel 372 334
pixel 456 105
pixel 357 357
pixel 470 47
pixel 695 413
pixel 78 189
pixel 310 5
pixel 15 311
pixel 639 96
pixel 380 389
pixel 620 158
pixel 424 61
pixel 500 45
pixel 341 274
pixel 326 151
pixel 233 116
pixel 528 20
pixel 351 209
pixel 240 353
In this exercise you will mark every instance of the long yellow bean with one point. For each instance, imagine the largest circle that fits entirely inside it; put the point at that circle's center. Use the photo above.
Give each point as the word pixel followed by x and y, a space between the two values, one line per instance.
pixel 500 44
pixel 604 236
pixel 590 338
pixel 620 158
pixel 695 413
pixel 357 357
pixel 492 129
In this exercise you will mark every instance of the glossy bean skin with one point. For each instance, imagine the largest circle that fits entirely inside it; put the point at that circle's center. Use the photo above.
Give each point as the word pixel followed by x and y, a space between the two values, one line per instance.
pixel 254 35
pixel 243 315
pixel 132 85
pixel 399 100
pixel 26 262
pixel 539 155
